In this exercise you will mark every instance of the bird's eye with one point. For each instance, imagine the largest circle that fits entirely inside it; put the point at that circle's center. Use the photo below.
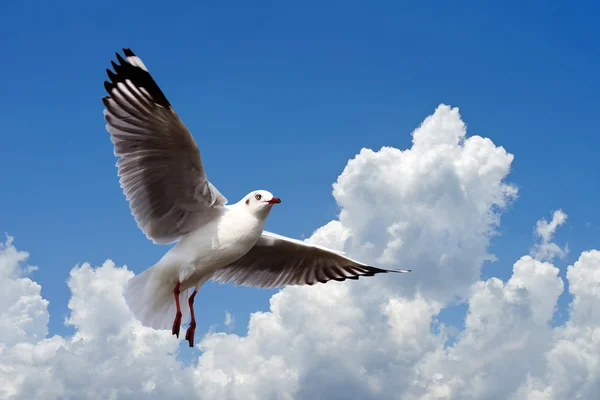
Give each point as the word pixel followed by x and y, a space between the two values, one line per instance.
pixel 257 196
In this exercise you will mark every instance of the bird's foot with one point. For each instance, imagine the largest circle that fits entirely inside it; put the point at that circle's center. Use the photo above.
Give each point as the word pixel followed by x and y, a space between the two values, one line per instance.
pixel 176 324
pixel 189 335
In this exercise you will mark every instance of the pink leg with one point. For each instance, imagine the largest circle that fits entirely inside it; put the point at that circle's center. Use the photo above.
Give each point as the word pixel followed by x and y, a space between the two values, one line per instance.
pixel 177 321
pixel 189 335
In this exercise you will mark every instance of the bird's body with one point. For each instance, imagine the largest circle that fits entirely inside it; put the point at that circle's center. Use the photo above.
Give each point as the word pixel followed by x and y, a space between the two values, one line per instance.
pixel 219 242
pixel 172 200
pixel 226 237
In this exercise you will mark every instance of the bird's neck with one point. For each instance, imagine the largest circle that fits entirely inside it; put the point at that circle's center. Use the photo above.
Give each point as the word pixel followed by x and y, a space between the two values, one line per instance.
pixel 239 223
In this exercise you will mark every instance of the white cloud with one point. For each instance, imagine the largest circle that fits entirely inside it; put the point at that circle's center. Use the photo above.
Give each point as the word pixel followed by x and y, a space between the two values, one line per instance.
pixel 546 229
pixel 23 312
pixel 432 208
pixel 506 333
pixel 546 249
pixel 109 354
pixel 572 368
pixel 229 320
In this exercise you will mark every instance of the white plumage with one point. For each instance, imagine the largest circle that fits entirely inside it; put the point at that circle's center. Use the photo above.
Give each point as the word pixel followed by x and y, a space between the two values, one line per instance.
pixel 163 178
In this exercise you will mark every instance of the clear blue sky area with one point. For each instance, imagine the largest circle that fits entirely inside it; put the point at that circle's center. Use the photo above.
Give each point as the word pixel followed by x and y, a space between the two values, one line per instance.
pixel 279 95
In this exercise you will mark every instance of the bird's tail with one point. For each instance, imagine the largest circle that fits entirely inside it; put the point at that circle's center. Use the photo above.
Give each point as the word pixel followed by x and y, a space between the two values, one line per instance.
pixel 151 300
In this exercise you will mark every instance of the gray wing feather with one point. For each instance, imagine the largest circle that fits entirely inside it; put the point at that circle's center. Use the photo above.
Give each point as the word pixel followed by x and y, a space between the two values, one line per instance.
pixel 277 261
pixel 159 166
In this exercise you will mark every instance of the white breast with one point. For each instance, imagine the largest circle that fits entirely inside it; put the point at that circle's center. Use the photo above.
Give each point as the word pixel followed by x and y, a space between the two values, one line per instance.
pixel 214 245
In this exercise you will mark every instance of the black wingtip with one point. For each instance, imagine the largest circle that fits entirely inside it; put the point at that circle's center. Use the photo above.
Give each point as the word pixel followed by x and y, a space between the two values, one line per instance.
pixel 120 59
pixel 377 270
pixel 397 271
pixel 111 75
pixel 138 75
pixel 108 86
pixel 372 271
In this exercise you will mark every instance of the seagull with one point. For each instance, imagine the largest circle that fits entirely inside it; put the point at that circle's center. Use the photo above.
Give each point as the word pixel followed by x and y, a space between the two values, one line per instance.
pixel 172 201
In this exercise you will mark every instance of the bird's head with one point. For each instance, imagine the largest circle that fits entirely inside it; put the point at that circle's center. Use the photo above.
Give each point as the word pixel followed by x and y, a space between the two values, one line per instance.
pixel 259 202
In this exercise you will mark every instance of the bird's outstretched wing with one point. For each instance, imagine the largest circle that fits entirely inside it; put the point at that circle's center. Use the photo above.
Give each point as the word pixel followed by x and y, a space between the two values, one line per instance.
pixel 159 164
pixel 276 261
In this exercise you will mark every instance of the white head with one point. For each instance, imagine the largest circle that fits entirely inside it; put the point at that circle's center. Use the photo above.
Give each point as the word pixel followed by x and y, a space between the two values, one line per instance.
pixel 259 202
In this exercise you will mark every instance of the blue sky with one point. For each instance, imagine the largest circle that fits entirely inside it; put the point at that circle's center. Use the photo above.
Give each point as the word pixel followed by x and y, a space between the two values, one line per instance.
pixel 279 97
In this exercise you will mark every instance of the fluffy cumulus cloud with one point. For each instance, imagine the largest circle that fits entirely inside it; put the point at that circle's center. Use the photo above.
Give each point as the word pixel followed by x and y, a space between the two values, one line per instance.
pixel 433 208
pixel 23 311
pixel 110 355
pixel 506 333
pixel 571 368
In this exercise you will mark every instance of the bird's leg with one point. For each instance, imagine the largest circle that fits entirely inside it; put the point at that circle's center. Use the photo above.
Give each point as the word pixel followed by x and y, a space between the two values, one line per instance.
pixel 177 321
pixel 189 335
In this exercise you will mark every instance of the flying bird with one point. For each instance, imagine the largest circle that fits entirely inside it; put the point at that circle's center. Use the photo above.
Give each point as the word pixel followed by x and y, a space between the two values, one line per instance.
pixel 163 178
